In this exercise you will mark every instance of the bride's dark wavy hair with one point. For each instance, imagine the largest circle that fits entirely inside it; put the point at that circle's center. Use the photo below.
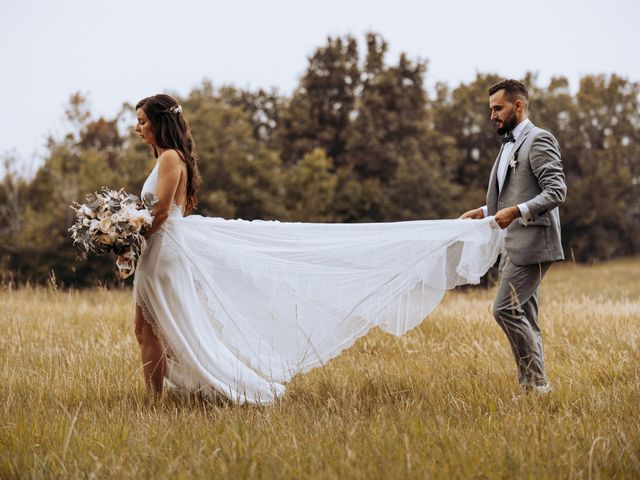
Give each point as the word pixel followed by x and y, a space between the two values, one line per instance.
pixel 172 130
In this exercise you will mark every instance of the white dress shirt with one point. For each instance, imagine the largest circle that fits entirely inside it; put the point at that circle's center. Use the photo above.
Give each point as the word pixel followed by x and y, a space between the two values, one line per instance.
pixel 503 164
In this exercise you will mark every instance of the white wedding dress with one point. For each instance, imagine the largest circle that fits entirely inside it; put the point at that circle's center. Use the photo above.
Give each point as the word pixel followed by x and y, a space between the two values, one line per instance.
pixel 243 306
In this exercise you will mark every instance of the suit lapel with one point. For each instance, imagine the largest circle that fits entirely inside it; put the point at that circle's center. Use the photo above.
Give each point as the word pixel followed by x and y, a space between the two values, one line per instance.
pixel 492 191
pixel 521 138
pixel 514 153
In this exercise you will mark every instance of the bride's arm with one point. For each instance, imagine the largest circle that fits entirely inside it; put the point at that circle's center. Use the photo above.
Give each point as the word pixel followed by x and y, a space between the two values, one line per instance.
pixel 169 171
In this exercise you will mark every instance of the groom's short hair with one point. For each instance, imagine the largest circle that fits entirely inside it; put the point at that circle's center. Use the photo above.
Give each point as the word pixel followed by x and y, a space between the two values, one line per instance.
pixel 513 89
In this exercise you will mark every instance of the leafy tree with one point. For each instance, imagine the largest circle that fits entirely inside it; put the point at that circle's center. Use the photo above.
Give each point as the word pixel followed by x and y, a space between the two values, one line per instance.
pixel 318 113
pixel 310 188
pixel 264 109
pixel 241 175
pixel 422 187
pixel 390 117
pixel 463 114
pixel 602 213
pixel 391 141
pixel 360 200
pixel 12 200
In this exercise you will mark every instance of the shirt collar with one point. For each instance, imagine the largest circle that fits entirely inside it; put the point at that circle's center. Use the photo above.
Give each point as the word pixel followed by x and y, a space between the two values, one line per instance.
pixel 520 127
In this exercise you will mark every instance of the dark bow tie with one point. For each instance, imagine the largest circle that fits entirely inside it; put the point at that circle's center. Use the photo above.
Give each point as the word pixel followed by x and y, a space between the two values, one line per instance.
pixel 508 137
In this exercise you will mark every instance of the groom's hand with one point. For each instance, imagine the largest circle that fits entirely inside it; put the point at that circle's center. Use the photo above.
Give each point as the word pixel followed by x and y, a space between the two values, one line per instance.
pixel 475 214
pixel 506 216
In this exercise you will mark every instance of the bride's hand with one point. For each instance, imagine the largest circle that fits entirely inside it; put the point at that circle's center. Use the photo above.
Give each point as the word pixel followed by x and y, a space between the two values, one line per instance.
pixel 143 244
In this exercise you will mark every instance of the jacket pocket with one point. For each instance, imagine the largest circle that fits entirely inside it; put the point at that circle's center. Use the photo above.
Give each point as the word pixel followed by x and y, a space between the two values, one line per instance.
pixel 541 221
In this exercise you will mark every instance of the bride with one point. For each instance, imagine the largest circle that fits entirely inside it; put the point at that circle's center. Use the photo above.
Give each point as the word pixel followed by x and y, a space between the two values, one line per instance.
pixel 237 308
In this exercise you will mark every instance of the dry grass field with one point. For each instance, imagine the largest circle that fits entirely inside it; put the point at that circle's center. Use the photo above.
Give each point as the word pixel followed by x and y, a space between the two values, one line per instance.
pixel 435 403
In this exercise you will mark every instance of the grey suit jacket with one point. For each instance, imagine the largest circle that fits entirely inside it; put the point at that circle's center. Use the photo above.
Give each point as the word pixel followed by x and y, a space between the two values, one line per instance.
pixel 537 179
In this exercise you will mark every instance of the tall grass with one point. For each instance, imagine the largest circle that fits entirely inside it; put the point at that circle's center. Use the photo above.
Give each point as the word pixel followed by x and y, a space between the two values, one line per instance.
pixel 435 403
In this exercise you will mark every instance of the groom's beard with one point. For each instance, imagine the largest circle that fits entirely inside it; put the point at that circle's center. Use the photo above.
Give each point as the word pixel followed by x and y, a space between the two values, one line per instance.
pixel 508 124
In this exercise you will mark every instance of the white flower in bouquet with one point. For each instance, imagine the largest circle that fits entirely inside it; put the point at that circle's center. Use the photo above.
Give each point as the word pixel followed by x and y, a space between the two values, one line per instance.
pixel 105 223
pixel 113 221
pixel 87 212
pixel 140 218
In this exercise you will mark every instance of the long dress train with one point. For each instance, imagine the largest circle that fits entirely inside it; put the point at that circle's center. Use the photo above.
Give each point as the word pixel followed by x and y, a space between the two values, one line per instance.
pixel 241 306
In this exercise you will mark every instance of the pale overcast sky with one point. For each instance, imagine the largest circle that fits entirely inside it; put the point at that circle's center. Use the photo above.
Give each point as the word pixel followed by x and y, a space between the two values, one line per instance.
pixel 119 51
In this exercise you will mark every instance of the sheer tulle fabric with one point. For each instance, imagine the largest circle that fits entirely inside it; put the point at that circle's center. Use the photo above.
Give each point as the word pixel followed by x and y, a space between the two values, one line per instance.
pixel 243 306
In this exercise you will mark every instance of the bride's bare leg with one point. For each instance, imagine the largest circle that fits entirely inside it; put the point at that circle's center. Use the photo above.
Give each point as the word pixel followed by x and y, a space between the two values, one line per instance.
pixel 152 354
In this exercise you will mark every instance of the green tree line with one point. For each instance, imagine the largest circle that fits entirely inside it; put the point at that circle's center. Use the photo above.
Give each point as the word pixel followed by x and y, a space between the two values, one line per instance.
pixel 359 140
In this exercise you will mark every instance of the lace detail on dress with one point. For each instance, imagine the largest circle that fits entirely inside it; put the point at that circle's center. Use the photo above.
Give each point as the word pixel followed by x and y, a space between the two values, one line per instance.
pixel 146 315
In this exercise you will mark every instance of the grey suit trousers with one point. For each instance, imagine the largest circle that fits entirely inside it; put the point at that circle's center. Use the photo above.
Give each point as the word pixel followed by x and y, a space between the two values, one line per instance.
pixel 516 310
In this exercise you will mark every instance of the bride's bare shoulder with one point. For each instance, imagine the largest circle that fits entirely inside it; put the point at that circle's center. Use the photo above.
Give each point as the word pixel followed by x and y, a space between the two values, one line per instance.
pixel 170 159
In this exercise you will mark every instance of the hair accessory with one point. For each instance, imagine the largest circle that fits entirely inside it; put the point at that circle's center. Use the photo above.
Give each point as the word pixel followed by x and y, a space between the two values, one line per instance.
pixel 177 109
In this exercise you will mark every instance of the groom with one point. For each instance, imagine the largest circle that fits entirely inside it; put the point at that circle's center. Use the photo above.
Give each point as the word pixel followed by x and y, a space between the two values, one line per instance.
pixel 526 187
